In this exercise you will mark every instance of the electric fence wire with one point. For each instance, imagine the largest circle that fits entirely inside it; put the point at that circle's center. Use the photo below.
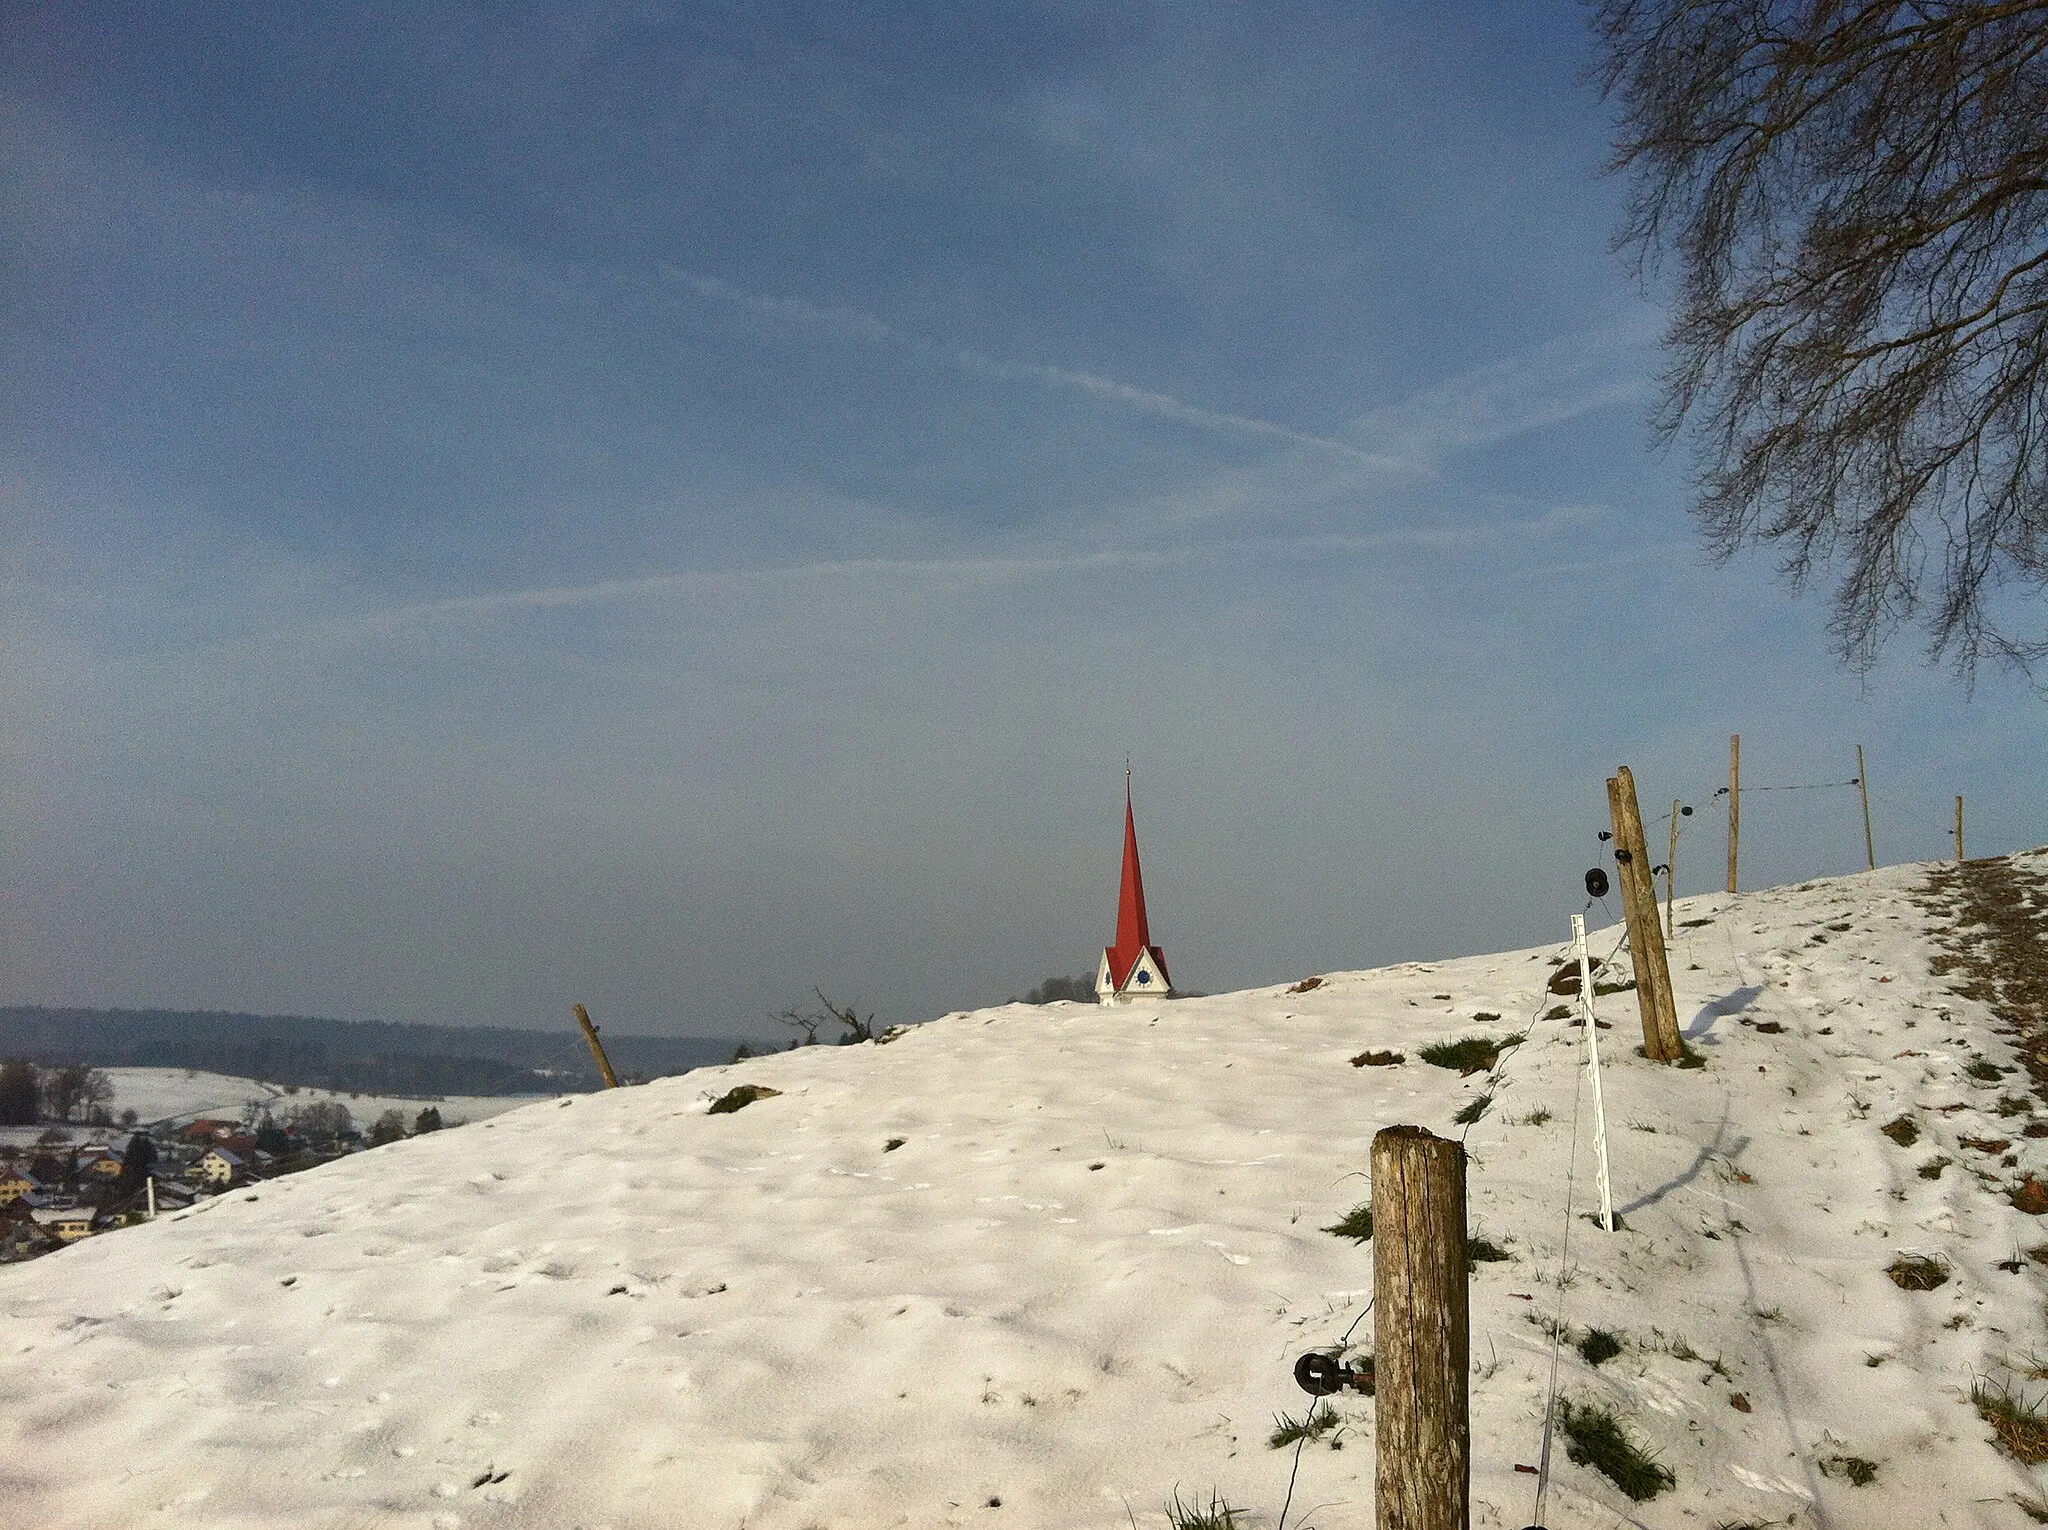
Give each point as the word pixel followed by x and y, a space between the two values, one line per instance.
pixel 1498 1079
pixel 1557 1317
pixel 1302 1438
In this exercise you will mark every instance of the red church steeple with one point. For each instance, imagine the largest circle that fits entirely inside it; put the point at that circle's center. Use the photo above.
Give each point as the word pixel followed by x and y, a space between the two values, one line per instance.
pixel 1133 966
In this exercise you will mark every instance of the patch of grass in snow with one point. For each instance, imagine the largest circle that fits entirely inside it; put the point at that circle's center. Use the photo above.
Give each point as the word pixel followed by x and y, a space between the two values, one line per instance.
pixel 1678 1347
pixel 1933 1167
pixel 1917 1272
pixel 2015 1105
pixel 740 1098
pixel 1474 1109
pixel 1321 1419
pixel 1984 1069
pixel 1355 1224
pixel 1538 1117
pixel 1905 1131
pixel 1598 1346
pixel 1480 1250
pixel 1855 1470
pixel 1594 1437
pixel 1472 1054
pixel 1192 1516
pixel 2018 1423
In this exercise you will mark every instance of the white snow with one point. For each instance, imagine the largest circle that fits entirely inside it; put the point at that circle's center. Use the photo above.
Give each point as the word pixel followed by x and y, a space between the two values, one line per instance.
pixel 159 1094
pixel 1081 1282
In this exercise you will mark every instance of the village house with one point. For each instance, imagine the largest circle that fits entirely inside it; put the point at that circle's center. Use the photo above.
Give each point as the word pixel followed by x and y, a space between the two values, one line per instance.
pixel 67 1224
pixel 14 1184
pixel 99 1163
pixel 21 1236
pixel 221 1167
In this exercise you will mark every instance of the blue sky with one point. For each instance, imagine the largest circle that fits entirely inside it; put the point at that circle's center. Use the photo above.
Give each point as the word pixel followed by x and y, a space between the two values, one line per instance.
pixel 665 506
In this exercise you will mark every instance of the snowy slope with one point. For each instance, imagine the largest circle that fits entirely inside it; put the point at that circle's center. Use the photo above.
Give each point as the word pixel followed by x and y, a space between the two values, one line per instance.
pixel 1082 1279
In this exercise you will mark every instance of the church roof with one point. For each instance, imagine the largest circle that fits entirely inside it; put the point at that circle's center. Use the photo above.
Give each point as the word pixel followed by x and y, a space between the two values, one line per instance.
pixel 1133 934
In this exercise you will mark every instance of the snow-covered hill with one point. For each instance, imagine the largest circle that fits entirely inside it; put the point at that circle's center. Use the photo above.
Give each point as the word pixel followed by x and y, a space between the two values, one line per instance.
pixel 1080 1280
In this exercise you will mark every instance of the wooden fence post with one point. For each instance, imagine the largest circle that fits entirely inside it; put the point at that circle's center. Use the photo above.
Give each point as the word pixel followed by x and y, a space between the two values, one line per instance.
pixel 1959 831
pixel 1421 1332
pixel 1869 844
pixel 1734 804
pixel 1671 876
pixel 1661 1041
pixel 604 1063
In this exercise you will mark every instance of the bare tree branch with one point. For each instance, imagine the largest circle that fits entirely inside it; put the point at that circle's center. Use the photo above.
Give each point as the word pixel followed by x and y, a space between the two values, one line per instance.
pixel 1856 197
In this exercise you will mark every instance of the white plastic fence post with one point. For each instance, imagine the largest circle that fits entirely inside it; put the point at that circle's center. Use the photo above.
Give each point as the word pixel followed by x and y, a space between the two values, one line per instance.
pixel 1593 1067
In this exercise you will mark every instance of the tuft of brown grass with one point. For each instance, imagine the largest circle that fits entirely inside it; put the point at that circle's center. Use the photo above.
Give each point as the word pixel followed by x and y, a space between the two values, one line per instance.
pixel 1905 1131
pixel 2018 1423
pixel 1917 1272
pixel 740 1098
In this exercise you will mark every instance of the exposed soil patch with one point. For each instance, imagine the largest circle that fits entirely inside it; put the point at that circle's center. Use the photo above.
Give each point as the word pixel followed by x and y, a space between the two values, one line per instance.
pixel 1999 948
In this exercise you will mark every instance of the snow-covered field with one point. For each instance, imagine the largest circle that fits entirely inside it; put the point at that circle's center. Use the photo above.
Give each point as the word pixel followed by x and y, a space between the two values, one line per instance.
pixel 1082 1279
pixel 157 1094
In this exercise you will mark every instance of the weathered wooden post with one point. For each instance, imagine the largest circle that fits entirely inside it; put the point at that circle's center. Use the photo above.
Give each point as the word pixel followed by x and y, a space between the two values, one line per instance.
pixel 1734 805
pixel 604 1063
pixel 1671 876
pixel 1421 1332
pixel 1869 844
pixel 1959 831
pixel 1661 1042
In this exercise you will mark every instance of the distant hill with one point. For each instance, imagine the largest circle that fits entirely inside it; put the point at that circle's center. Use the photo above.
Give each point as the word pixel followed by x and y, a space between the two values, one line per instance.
pixel 368 1056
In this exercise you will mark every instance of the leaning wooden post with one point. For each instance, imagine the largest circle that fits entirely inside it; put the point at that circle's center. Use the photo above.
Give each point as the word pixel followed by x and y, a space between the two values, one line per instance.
pixel 1734 804
pixel 1671 876
pixel 1959 831
pixel 1661 1041
pixel 604 1063
pixel 1421 1332
pixel 1869 844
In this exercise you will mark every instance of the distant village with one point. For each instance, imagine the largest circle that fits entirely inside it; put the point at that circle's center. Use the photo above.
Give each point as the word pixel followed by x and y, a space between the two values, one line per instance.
pixel 77 1171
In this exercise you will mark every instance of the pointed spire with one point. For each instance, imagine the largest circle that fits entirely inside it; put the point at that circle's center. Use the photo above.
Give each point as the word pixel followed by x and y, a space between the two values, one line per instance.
pixel 1133 932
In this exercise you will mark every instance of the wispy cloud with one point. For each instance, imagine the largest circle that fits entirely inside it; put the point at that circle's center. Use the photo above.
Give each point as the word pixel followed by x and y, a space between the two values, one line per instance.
pixel 851 324
pixel 1553 383
pixel 1541 523
pixel 1164 405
